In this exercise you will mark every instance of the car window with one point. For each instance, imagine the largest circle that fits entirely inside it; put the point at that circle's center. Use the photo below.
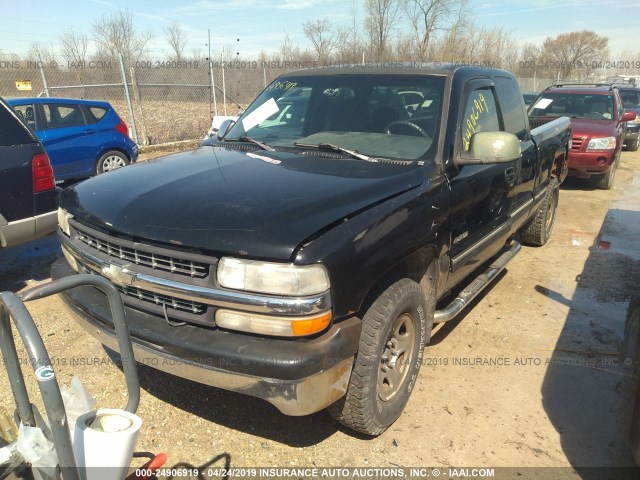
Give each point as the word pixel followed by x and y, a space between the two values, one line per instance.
pixel 11 131
pixel 367 113
pixel 27 112
pixel 630 98
pixel 480 115
pixel 58 115
pixel 511 106
pixel 98 112
pixel 575 105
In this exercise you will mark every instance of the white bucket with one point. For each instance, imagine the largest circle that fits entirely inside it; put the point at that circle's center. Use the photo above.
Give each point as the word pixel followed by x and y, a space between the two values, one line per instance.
pixel 103 443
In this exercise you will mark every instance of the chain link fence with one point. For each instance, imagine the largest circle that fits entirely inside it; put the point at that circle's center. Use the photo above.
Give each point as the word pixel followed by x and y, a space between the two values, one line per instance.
pixel 161 101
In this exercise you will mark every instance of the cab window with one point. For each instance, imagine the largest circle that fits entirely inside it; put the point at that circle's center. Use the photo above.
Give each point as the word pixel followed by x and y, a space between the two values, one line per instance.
pixel 480 115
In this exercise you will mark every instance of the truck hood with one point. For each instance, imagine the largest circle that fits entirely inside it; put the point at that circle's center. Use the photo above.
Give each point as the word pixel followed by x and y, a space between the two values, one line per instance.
pixel 592 128
pixel 224 201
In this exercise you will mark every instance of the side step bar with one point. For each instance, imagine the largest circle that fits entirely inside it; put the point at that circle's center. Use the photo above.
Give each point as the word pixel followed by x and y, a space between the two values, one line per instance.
pixel 476 286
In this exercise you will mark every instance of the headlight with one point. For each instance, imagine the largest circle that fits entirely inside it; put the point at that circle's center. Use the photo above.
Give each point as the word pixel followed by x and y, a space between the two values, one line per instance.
pixel 606 143
pixel 274 278
pixel 63 221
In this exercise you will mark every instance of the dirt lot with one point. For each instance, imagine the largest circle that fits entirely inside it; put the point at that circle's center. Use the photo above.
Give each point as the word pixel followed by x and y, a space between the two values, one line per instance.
pixel 528 377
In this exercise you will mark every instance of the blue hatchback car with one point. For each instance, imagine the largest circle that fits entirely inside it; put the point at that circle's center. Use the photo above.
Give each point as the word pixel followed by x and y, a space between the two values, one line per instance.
pixel 81 137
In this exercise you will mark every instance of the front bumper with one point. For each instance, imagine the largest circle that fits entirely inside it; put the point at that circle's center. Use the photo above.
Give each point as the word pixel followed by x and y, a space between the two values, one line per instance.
pixel 299 377
pixel 586 164
pixel 27 229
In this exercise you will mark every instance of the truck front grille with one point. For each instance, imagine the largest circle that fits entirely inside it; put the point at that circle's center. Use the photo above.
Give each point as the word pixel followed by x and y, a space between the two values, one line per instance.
pixel 163 300
pixel 145 258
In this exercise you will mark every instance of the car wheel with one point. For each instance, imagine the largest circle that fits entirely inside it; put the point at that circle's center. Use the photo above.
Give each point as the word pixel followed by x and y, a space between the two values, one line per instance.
pixel 111 160
pixel 635 145
pixel 605 182
pixel 538 231
pixel 395 328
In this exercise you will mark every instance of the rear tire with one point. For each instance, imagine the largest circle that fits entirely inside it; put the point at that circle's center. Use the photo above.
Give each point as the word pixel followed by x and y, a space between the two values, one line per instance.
pixel 395 328
pixel 111 160
pixel 538 230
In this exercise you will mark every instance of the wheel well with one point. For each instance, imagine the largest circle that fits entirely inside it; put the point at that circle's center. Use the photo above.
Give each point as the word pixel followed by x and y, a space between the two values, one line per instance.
pixel 113 149
pixel 422 267
pixel 559 167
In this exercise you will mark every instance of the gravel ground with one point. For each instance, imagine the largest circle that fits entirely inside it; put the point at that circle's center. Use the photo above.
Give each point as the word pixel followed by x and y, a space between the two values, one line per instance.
pixel 525 378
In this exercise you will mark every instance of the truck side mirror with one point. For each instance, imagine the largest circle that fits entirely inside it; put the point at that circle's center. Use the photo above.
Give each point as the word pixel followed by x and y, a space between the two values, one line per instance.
pixel 225 126
pixel 490 147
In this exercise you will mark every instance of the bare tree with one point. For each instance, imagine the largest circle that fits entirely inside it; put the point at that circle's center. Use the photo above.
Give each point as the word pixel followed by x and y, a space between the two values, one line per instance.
pixel 320 35
pixel 348 40
pixel 428 18
pixel 74 47
pixel 115 34
pixel 39 52
pixel 176 38
pixel 448 48
pixel 572 51
pixel 382 16
pixel 289 50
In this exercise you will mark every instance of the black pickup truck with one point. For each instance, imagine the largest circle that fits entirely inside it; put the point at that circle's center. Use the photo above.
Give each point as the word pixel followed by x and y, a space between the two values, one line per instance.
pixel 304 254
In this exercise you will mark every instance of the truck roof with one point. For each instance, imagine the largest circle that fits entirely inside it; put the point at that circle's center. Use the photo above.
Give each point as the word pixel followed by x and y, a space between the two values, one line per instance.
pixel 395 68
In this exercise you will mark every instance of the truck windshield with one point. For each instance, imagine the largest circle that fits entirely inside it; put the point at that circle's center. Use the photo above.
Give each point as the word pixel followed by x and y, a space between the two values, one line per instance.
pixel 575 105
pixel 389 116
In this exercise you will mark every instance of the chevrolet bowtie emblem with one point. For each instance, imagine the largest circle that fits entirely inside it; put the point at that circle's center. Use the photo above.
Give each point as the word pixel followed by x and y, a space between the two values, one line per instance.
pixel 118 274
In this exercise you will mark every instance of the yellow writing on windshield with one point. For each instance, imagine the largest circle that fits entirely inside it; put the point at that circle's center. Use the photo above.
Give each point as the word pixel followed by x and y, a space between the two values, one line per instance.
pixel 281 85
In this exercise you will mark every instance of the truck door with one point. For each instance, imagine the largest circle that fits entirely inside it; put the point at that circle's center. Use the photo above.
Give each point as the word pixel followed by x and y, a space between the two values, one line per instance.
pixel 514 119
pixel 481 195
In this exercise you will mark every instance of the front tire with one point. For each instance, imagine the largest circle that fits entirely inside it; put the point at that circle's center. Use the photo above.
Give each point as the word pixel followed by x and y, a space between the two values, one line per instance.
pixel 538 231
pixel 635 145
pixel 111 160
pixel 395 328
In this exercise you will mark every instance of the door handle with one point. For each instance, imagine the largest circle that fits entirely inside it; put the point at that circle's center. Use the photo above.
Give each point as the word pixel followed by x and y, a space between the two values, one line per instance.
pixel 510 175
pixel 89 131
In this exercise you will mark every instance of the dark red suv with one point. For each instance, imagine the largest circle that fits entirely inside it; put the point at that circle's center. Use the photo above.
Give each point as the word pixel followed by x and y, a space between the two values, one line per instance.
pixel 598 124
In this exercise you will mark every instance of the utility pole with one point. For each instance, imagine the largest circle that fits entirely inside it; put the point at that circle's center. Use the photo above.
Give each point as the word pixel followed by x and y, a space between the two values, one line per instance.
pixel 212 98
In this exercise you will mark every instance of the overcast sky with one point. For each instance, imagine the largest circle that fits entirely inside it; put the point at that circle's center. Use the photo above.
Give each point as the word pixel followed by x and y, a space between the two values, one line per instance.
pixel 249 26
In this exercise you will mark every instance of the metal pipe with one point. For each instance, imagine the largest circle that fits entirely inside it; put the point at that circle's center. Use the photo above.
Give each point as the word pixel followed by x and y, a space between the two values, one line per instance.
pixel 49 388
pixel 86 86
pixel 126 93
pixel 119 321
pixel 14 371
pixel 44 79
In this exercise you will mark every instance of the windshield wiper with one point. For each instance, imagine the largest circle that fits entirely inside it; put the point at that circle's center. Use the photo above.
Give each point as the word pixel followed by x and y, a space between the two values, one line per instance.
pixel 244 138
pixel 336 148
